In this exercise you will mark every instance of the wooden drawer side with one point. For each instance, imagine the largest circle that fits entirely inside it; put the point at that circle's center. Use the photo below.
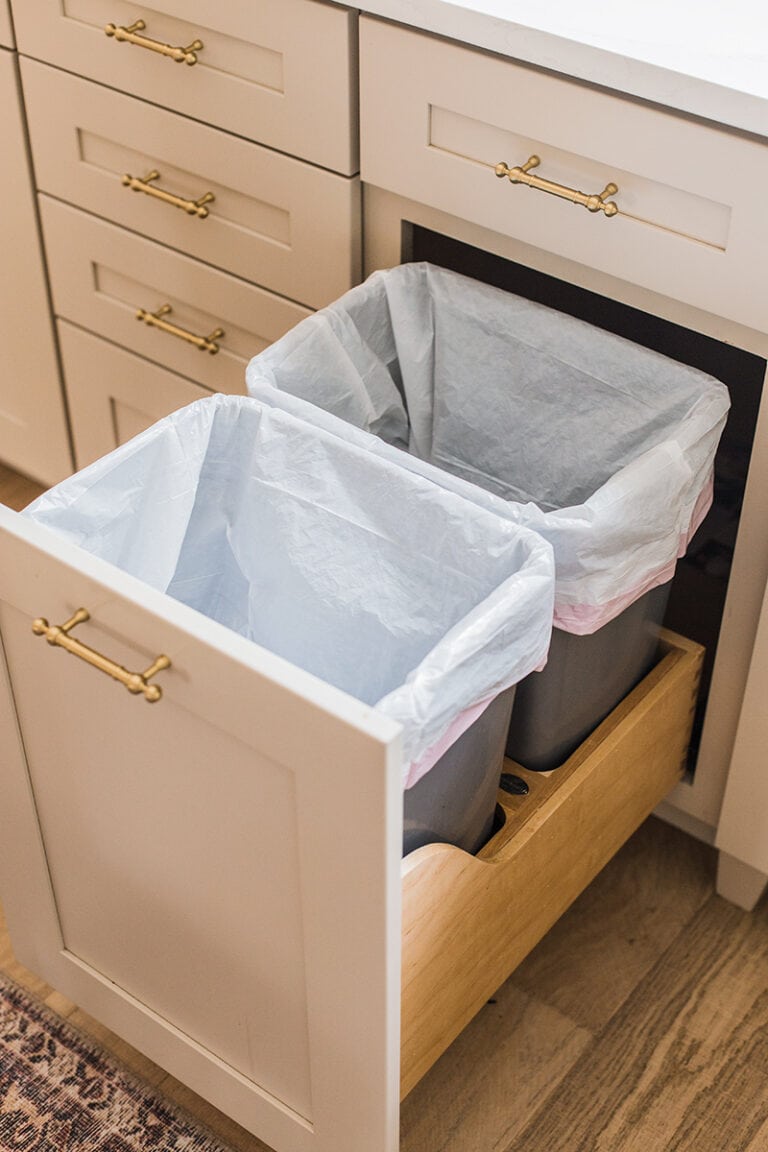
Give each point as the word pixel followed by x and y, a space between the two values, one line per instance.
pixel 468 921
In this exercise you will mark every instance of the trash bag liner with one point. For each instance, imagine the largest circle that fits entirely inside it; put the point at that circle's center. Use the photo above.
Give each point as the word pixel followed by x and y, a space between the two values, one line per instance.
pixel 603 447
pixel 396 590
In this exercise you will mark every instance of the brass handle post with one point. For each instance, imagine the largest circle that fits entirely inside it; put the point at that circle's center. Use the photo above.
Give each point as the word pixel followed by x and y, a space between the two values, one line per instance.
pixel 157 320
pixel 146 185
pixel 594 202
pixel 132 35
pixel 135 682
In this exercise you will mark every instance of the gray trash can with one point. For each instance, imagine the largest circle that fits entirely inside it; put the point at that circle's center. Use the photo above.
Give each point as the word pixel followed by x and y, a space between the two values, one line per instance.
pixel 413 600
pixel 603 447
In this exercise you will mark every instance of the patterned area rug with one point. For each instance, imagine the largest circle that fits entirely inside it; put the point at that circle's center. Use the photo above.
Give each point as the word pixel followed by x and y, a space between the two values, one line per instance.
pixel 59 1092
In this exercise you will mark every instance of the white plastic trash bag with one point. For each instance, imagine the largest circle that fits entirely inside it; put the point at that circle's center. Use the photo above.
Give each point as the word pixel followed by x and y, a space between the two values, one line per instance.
pixel 399 592
pixel 602 446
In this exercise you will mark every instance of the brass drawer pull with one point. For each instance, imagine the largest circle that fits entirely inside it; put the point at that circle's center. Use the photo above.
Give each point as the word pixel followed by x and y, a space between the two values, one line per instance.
pixel 203 343
pixel 191 207
pixel 593 203
pixel 131 35
pixel 135 682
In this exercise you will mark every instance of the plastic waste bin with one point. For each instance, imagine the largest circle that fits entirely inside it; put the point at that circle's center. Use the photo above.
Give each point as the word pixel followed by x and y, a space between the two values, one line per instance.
pixel 603 447
pixel 413 600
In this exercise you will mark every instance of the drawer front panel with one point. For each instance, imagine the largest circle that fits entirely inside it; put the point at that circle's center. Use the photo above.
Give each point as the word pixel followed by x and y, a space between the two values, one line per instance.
pixel 277 72
pixel 684 227
pixel 183 870
pixel 274 220
pixel 113 395
pixel 102 276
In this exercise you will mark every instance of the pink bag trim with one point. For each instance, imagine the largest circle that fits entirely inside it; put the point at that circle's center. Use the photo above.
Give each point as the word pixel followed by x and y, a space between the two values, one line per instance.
pixel 584 619
pixel 458 727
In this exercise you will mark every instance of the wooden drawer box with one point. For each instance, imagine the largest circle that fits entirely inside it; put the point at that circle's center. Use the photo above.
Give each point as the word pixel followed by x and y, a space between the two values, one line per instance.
pixel 274 221
pixel 279 72
pixel 112 394
pixel 102 276
pixel 436 119
pixel 217 876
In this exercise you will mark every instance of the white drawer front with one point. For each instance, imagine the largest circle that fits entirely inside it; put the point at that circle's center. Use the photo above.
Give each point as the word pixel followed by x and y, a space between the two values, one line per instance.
pixel 113 395
pixel 101 277
pixel 277 71
pixel 274 221
pixel 439 118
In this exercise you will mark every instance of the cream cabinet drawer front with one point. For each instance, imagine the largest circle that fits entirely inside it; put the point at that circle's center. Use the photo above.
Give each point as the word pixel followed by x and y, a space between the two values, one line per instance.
pixel 122 286
pixel 437 118
pixel 113 395
pixel 184 869
pixel 275 221
pixel 277 71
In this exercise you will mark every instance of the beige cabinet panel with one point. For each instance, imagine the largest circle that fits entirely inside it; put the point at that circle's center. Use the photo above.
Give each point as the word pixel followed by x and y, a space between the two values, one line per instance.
pixel 436 119
pixel 743 827
pixel 33 425
pixel 277 71
pixel 102 276
pixel 113 395
pixel 184 870
pixel 275 221
pixel 6 28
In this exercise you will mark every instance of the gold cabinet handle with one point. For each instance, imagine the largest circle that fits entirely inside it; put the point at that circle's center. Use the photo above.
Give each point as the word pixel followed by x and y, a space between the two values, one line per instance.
pixel 157 320
pixel 135 682
pixel 191 207
pixel 593 203
pixel 131 35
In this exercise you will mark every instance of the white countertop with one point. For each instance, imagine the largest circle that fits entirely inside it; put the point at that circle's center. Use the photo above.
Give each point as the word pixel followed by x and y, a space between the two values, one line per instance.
pixel 706 57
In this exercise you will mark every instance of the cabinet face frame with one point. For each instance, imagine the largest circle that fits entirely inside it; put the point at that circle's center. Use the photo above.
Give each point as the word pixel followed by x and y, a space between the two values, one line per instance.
pixel 334 762
pixel 34 437
pixel 694 805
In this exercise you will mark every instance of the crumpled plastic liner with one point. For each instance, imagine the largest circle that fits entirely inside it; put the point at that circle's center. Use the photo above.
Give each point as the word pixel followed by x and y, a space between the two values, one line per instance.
pixel 602 446
pixel 375 579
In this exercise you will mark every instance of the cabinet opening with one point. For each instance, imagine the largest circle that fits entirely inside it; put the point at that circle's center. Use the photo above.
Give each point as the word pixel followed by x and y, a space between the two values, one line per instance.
pixel 697 598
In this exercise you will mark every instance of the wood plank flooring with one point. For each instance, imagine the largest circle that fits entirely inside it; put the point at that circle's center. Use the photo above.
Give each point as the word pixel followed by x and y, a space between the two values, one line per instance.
pixel 639 1024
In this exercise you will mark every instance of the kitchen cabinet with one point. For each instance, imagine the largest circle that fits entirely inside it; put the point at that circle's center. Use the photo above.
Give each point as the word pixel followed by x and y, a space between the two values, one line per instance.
pixel 349 930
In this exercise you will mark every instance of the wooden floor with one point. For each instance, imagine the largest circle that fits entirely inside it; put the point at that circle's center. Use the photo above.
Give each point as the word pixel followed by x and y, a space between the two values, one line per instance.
pixel 639 1024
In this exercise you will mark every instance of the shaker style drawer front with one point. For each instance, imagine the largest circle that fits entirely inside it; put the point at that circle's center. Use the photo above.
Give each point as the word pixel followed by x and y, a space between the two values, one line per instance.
pixel 271 219
pixel 445 125
pixel 113 395
pixel 277 71
pixel 196 888
pixel 168 308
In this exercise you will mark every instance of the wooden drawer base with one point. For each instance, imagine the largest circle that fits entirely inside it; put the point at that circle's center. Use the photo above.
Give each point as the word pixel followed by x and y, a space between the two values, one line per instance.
pixel 468 921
